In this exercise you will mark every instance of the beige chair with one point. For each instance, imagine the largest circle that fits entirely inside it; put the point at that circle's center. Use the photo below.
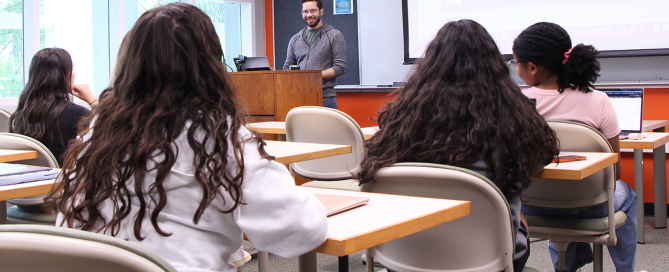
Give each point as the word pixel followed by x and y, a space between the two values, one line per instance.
pixel 28 209
pixel 49 248
pixel 481 241
pixel 327 126
pixel 568 194
pixel 4 120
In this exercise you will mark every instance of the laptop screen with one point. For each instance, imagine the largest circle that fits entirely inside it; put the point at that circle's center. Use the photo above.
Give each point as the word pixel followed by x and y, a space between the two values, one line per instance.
pixel 628 104
pixel 255 64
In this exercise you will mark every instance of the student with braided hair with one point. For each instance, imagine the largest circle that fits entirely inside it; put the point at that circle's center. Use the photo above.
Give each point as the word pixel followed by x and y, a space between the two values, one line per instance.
pixel 561 79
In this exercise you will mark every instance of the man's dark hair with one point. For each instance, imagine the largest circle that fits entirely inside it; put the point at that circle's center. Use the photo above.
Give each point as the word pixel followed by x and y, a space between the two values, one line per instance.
pixel 319 3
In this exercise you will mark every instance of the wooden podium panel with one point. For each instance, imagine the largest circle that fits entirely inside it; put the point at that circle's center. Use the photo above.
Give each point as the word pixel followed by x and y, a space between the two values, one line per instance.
pixel 269 95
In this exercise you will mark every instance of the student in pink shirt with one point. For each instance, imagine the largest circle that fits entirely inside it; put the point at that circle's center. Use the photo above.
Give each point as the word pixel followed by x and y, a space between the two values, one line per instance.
pixel 562 80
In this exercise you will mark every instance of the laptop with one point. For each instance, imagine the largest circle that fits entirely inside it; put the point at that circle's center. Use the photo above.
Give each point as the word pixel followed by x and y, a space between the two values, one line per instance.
pixel 335 204
pixel 628 104
pixel 252 64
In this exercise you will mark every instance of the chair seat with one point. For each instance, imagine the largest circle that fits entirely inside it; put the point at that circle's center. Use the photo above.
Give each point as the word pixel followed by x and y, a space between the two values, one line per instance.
pixel 19 216
pixel 573 226
pixel 347 184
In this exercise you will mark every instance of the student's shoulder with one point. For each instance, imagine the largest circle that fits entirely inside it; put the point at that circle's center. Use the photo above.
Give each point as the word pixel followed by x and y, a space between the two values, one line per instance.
pixel 75 109
pixel 331 30
pixel 599 96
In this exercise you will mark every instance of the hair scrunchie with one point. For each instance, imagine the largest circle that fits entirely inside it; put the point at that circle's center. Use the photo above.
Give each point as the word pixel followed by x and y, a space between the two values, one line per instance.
pixel 566 56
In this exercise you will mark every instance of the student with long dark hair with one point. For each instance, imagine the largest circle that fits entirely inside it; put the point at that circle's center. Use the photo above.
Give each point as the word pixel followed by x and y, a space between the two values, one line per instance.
pixel 167 162
pixel 45 111
pixel 562 80
pixel 460 107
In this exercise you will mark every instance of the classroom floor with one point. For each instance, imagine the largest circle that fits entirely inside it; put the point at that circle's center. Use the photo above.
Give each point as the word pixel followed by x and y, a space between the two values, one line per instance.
pixel 651 256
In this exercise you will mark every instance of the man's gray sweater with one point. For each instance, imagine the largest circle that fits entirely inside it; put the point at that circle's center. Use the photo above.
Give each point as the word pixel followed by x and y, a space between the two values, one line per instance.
pixel 327 51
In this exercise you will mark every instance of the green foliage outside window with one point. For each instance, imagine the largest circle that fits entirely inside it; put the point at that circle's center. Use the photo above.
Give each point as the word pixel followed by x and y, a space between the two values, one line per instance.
pixel 11 52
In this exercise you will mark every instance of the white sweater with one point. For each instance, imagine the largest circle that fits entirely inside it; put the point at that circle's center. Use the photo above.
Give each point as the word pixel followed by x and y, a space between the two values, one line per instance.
pixel 278 217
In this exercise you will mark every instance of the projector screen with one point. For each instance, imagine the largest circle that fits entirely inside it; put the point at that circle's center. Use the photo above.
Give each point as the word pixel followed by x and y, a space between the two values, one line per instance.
pixel 617 28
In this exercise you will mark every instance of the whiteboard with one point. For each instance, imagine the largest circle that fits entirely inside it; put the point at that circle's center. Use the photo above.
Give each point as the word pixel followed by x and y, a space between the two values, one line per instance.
pixel 381 43
pixel 609 25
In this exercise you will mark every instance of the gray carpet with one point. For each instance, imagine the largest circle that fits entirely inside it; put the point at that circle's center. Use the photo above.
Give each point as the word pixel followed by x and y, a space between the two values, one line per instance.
pixel 651 256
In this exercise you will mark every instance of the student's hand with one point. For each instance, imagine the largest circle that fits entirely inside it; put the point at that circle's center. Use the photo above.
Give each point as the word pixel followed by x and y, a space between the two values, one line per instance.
pixel 84 92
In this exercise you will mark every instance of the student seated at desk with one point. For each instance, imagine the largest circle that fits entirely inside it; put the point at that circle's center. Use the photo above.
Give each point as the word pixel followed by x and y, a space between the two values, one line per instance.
pixel 561 78
pixel 45 111
pixel 167 162
pixel 460 107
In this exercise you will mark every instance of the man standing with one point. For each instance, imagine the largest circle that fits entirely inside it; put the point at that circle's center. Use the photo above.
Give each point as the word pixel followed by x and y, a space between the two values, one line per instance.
pixel 318 46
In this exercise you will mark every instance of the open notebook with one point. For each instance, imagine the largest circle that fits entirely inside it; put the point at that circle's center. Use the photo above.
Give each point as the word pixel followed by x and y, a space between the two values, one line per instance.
pixel 335 204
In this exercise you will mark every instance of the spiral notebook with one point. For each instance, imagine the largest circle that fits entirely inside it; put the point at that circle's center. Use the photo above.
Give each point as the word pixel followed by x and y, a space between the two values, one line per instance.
pixel 335 204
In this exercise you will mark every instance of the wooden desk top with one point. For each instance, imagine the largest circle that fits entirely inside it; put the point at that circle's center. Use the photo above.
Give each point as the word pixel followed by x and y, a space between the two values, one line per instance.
pixel 383 219
pixel 578 170
pixel 27 189
pixel 280 128
pixel 648 125
pixel 290 152
pixel 8 155
pixel 651 140
pixel 268 127
pixel 369 131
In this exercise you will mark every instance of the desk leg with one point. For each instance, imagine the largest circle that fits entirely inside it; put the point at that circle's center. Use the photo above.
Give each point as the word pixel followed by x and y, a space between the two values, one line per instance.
pixel 3 212
pixel 307 262
pixel 343 263
pixel 660 170
pixel 638 188
pixel 263 261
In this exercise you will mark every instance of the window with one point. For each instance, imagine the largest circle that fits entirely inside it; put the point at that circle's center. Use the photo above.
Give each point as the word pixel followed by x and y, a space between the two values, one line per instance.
pixel 85 36
pixel 92 30
pixel 233 23
pixel 145 5
pixel 11 48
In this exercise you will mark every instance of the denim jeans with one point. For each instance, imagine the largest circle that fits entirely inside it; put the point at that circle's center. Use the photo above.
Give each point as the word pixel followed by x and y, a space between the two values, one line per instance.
pixel 579 254
pixel 330 102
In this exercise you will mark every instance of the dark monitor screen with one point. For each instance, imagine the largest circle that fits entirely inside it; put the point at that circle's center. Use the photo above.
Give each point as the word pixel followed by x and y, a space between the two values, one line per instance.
pixel 254 64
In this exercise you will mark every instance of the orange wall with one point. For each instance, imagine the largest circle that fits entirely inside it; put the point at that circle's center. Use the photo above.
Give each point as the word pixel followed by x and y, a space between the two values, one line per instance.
pixel 364 107
pixel 269 31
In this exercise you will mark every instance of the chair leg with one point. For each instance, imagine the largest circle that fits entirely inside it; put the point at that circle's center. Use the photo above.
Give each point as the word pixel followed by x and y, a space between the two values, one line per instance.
pixel 3 212
pixel 598 263
pixel 561 248
pixel 370 261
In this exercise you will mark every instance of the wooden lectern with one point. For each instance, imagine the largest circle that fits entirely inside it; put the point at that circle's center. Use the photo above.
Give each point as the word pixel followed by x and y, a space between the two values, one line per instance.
pixel 269 95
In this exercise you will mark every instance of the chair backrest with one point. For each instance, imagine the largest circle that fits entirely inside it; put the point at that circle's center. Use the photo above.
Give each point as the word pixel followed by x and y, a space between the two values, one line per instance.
pixel 590 191
pixel 4 120
pixel 481 241
pixel 22 142
pixel 44 158
pixel 49 248
pixel 326 126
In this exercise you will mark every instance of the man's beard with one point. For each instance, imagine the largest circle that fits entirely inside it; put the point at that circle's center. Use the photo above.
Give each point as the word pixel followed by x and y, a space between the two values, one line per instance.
pixel 316 22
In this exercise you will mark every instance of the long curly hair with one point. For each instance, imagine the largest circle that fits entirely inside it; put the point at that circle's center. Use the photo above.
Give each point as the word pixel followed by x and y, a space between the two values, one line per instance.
pixel 46 95
pixel 545 44
pixel 169 80
pixel 458 107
